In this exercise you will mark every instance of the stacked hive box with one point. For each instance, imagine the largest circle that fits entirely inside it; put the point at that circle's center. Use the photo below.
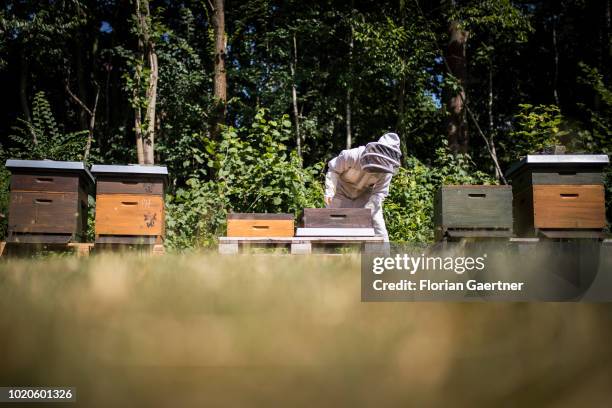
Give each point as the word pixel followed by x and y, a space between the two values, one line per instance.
pixel 473 211
pixel 260 225
pixel 559 195
pixel 130 204
pixel 322 222
pixel 48 201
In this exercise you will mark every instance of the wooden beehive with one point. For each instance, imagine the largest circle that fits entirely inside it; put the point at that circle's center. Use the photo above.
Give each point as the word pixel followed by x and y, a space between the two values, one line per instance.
pixel 337 218
pixel 48 201
pixel 559 195
pixel 473 211
pixel 260 225
pixel 130 204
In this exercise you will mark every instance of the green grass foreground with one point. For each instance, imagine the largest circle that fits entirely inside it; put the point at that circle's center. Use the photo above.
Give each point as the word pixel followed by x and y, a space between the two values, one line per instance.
pixel 205 330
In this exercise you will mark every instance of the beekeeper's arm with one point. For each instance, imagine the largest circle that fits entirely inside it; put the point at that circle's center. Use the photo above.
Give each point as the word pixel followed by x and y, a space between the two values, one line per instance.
pixel 380 191
pixel 336 166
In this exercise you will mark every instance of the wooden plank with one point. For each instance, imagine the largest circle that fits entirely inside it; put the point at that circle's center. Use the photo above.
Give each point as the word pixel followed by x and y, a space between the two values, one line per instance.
pixel 51 182
pixel 260 228
pixel 130 185
pixel 259 216
pixel 480 233
pixel 337 218
pixel 39 238
pixel 335 232
pixel 2 246
pixel 289 240
pixel 129 214
pixel 43 212
pixel 576 233
pixel 569 206
pixel 521 240
pixel 126 240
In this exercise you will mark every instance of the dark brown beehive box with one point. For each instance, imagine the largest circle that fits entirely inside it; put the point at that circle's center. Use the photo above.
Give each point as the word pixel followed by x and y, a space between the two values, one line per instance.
pixel 337 218
pixel 48 201
pixel 473 211
pixel 556 194
pixel 130 204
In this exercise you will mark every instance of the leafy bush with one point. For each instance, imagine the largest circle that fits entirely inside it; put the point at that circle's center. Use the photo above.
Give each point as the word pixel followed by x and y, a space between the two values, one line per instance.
pixel 251 171
pixel 536 127
pixel 4 201
pixel 410 205
pixel 599 122
pixel 42 138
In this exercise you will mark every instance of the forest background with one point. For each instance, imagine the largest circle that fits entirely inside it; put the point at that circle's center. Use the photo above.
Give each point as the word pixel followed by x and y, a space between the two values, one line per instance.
pixel 245 101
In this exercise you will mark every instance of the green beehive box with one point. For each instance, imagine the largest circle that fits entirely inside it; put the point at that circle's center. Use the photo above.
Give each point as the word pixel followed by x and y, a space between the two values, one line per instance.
pixel 473 211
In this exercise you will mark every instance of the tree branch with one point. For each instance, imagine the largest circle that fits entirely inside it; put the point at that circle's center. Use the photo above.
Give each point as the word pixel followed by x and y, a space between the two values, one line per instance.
pixel 78 101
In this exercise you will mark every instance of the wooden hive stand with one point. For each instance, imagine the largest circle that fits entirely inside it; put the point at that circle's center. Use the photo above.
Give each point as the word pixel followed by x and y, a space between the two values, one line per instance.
pixel 130 205
pixel 291 245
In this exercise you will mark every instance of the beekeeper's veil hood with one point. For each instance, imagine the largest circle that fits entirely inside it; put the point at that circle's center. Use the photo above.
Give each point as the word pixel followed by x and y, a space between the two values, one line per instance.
pixel 382 156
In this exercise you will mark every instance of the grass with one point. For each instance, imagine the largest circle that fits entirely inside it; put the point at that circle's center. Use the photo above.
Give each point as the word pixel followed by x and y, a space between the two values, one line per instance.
pixel 204 330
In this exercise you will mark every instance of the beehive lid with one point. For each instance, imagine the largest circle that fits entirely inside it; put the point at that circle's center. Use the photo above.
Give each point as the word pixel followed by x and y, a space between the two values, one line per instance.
pixel 559 160
pixel 52 165
pixel 130 169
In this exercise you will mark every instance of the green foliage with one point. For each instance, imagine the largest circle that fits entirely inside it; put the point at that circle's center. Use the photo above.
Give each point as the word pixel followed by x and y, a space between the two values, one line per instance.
pixel 536 127
pixel 195 215
pixel 253 172
pixel 42 138
pixel 599 134
pixel 4 201
pixel 409 207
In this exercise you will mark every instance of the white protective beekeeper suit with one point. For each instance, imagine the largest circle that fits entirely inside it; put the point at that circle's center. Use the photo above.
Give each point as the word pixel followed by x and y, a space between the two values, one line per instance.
pixel 360 177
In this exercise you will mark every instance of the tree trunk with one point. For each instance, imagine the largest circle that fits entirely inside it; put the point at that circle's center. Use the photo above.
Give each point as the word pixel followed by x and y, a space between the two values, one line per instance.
pixel 293 67
pixel 349 89
pixel 220 79
pixel 491 120
pixel 148 146
pixel 457 127
pixel 555 61
pixel 145 127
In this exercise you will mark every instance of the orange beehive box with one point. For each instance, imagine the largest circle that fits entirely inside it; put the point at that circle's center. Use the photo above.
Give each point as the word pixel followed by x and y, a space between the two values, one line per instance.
pixel 260 225
pixel 130 204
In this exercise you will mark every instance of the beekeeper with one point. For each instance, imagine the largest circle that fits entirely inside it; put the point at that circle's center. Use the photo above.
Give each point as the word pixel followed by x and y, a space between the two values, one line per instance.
pixel 360 178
